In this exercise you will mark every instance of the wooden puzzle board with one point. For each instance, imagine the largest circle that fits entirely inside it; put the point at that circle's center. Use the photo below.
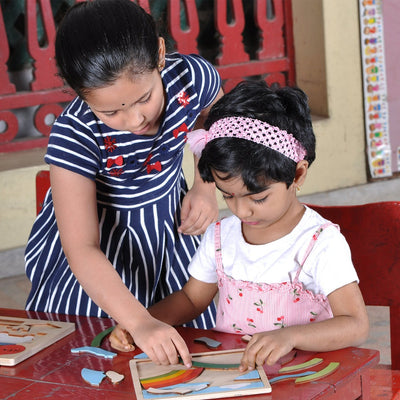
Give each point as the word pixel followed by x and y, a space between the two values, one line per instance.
pixel 21 338
pixel 220 382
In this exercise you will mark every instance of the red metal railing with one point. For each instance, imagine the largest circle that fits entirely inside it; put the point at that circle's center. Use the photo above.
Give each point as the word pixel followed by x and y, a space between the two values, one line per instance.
pixel 272 58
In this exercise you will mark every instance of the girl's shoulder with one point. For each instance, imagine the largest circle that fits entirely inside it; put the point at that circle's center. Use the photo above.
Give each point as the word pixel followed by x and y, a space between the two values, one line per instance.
pixel 313 220
pixel 191 80
pixel 228 227
pixel 77 122
pixel 182 61
pixel 314 227
pixel 191 69
pixel 77 109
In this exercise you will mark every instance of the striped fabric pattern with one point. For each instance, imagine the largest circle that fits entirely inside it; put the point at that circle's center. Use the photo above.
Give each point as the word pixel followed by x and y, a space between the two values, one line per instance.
pixel 140 186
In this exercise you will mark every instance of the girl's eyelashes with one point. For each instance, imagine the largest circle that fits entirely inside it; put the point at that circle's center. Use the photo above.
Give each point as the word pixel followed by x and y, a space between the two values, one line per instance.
pixel 259 201
pixel 226 196
pixel 109 113
pixel 146 100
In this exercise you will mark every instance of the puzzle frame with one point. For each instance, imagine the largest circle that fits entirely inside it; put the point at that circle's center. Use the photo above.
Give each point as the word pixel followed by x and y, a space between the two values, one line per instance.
pixel 21 338
pixel 221 381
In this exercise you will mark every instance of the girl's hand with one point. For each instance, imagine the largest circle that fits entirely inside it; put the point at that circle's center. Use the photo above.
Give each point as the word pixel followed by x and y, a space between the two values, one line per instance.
pixel 199 209
pixel 121 340
pixel 161 342
pixel 348 327
pixel 266 347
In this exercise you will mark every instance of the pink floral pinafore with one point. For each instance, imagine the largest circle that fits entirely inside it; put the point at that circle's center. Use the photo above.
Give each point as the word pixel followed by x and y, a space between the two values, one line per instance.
pixel 247 307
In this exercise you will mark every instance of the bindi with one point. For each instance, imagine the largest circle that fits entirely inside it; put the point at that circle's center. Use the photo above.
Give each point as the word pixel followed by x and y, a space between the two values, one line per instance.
pixel 123 104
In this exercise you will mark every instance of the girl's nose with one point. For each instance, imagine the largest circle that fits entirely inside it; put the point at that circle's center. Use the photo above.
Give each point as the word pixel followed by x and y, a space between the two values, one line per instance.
pixel 242 211
pixel 135 119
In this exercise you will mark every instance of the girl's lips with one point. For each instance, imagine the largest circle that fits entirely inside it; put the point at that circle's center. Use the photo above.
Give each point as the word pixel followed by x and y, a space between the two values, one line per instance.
pixel 250 222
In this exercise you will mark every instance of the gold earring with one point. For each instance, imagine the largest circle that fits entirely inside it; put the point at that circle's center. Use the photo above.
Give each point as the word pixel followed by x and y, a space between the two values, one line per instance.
pixel 298 188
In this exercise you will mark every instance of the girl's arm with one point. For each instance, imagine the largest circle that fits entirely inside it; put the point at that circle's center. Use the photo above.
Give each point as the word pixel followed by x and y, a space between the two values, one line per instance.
pixel 176 309
pixel 185 304
pixel 75 205
pixel 199 206
pixel 348 327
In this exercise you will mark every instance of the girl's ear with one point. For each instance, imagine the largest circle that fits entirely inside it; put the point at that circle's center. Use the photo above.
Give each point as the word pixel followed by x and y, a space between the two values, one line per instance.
pixel 301 174
pixel 161 53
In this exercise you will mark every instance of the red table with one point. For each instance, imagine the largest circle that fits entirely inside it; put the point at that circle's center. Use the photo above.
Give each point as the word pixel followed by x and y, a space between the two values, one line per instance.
pixel 56 373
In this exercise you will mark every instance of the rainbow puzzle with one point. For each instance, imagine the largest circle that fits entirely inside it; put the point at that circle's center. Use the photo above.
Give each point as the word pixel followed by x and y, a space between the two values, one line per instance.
pixel 213 375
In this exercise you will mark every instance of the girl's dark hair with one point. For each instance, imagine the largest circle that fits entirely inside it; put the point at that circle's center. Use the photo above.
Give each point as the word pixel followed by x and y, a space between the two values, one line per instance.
pixel 284 107
pixel 98 40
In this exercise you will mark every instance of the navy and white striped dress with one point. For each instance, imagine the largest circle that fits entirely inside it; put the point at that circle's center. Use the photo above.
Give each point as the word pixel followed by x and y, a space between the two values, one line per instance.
pixel 140 186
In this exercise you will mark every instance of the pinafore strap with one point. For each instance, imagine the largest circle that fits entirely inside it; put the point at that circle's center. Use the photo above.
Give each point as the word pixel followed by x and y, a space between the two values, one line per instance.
pixel 218 250
pixel 311 245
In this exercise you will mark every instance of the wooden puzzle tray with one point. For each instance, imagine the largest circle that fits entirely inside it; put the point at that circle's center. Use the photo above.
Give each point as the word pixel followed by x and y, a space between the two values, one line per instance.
pixel 21 338
pixel 213 375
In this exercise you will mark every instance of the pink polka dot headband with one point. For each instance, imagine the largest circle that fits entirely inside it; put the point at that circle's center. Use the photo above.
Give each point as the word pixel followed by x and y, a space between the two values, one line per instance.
pixel 250 129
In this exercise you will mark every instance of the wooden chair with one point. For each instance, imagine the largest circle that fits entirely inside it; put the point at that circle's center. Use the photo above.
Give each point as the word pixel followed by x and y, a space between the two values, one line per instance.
pixel 373 233
pixel 42 185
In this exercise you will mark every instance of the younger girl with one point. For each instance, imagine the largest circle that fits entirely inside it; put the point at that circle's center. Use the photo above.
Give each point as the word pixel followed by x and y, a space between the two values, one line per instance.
pixel 276 262
pixel 116 231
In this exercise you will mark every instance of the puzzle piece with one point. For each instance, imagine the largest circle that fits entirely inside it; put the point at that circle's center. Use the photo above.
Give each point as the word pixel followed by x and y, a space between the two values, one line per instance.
pixel 308 364
pixel 6 338
pixel 320 374
pixel 246 338
pixel 208 342
pixel 96 342
pixel 115 377
pixel 97 351
pixel 179 389
pixel 141 356
pixel 171 378
pixel 11 348
pixel 291 376
pixel 92 376
pixel 248 376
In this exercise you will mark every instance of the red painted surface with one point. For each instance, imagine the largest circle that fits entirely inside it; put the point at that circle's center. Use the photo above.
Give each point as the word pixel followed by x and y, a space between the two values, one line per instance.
pixel 274 60
pixel 42 185
pixel 373 233
pixel 385 384
pixel 55 371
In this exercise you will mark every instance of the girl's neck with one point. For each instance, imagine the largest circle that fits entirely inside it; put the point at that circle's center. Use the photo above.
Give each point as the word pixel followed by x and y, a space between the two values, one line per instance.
pixel 277 230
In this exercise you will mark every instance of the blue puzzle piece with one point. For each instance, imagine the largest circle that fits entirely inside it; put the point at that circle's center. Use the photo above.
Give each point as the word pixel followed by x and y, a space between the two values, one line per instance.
pixel 97 351
pixel 92 376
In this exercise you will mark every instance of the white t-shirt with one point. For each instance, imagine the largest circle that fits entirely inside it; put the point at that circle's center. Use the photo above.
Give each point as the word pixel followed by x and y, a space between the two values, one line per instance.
pixel 327 268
